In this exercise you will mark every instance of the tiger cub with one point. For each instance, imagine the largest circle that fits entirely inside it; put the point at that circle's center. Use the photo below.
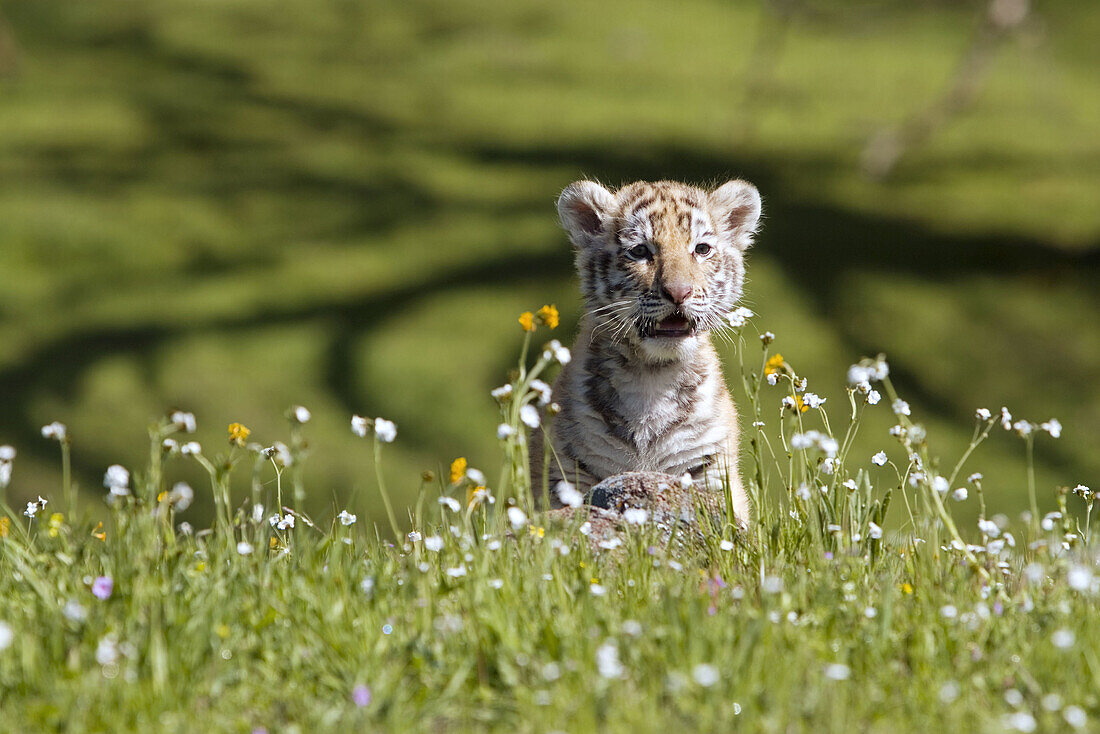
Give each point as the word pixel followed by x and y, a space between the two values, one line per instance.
pixel 661 265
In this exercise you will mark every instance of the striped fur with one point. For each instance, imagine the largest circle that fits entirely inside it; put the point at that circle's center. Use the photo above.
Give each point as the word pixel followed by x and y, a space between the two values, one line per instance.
pixel 632 399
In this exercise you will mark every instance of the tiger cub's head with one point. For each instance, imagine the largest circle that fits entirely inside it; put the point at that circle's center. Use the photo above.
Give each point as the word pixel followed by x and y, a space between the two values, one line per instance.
pixel 660 263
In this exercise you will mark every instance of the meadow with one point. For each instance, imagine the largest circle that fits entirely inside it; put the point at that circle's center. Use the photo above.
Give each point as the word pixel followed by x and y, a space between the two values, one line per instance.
pixel 489 615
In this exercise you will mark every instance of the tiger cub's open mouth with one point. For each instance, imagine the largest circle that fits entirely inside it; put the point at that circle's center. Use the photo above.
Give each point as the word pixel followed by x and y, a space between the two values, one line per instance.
pixel 675 326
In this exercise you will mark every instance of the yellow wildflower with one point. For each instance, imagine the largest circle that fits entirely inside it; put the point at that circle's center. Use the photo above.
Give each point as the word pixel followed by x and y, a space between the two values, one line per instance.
pixel 774 364
pixel 162 495
pixel 802 407
pixel 5 527
pixel 541 532
pixel 238 434
pixel 527 321
pixel 906 588
pixel 548 315
pixel 458 469
pixel 99 533
pixel 223 631
pixel 55 524
pixel 475 494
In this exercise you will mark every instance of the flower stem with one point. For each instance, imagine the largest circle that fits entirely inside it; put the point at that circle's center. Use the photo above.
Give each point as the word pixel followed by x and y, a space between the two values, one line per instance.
pixel 382 489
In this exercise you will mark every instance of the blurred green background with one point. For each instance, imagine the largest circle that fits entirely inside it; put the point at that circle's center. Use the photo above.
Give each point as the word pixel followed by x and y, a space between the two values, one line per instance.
pixel 234 206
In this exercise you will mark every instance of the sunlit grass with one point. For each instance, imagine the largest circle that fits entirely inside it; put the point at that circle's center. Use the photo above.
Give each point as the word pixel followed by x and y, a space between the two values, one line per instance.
pixel 855 602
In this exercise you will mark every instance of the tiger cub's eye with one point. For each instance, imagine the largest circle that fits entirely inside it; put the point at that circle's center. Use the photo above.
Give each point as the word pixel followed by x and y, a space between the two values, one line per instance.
pixel 638 252
pixel 703 249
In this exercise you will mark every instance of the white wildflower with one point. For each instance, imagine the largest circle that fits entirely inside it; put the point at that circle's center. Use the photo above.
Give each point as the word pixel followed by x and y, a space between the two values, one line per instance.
pixel 948 611
pixel 517 517
pixel 7 453
pixel 940 485
pixel 1079 578
pixel 301 414
pixel 983 414
pixel 107 651
pixel 739 316
pixel 282 522
pixel 244 548
pixel 597 590
pixel 813 400
pixel 476 477
pixel 191 448
pixel 1053 427
pixel 1022 428
pixel 880 370
pixel 1075 716
pixel 346 518
pixel 705 675
pixel 33 508
pixel 879 459
pixel 543 391
pixel 181 496
pixel 257 513
pixel 456 572
pixel 960 494
pixel 635 516
pixel 873 397
pixel 557 352
pixel 874 531
pixel 183 421
pixel 1063 639
pixel 607 661
pixel 858 373
pixel 1020 721
pixel 1006 419
pixel 611 544
pixel 773 379
pixel 117 479
pixel 530 416
pixel 726 545
pixel 901 407
pixel 359 425
pixel 837 671
pixel 568 494
pixel 505 431
pixel 385 430
pixel 975 477
pixel 73 610
pixel 450 503
pixel 56 431
pixel 767 338
pixel 502 393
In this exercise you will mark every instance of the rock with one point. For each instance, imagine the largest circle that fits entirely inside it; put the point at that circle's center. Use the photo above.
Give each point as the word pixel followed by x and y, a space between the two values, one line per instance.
pixel 649 497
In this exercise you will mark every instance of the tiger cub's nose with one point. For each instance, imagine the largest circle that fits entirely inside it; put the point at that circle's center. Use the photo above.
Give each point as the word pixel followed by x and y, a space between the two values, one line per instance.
pixel 677 292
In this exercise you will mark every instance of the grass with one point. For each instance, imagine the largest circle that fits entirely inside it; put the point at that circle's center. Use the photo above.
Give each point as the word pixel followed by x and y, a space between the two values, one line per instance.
pixel 485 618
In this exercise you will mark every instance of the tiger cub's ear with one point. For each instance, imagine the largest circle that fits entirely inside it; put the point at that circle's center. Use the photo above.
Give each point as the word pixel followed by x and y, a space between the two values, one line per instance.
pixel 585 209
pixel 735 206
